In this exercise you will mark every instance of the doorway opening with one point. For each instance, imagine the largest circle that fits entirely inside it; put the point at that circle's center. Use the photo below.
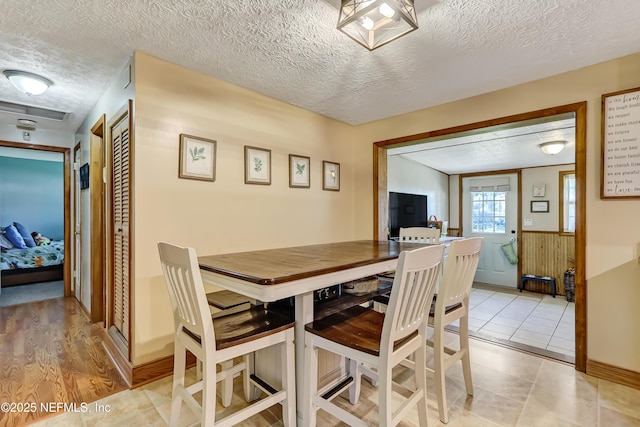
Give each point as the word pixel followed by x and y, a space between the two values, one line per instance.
pixel 37 266
pixel 576 111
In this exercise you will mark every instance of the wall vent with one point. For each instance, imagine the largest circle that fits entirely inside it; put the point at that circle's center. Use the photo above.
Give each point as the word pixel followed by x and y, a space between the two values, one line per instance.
pixel 10 107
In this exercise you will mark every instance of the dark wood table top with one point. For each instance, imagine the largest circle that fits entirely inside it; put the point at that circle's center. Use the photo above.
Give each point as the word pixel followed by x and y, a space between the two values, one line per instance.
pixel 274 266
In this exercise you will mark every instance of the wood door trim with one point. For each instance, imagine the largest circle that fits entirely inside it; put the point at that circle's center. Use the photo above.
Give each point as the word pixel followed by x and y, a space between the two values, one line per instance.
pixel 98 282
pixel 66 152
pixel 76 195
pixel 580 111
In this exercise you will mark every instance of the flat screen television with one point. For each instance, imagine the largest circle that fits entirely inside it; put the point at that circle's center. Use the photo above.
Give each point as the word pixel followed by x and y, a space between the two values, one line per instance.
pixel 406 210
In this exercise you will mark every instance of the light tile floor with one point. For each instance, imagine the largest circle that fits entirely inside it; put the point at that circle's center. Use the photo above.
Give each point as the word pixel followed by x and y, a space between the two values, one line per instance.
pixel 537 320
pixel 511 388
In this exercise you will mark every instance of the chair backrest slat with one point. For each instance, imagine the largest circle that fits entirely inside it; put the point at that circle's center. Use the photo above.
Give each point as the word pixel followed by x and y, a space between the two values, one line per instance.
pixel 186 290
pixel 459 271
pixel 419 235
pixel 411 293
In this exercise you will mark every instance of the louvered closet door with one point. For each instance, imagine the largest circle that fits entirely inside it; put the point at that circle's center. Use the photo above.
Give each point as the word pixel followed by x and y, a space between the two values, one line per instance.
pixel 121 192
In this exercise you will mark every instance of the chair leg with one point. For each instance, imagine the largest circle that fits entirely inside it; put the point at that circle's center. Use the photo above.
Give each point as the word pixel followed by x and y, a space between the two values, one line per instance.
pixel 356 374
pixel 439 368
pixel 385 396
pixel 288 368
pixel 208 392
pixel 179 361
pixel 198 370
pixel 310 382
pixel 226 384
pixel 421 383
pixel 466 359
pixel 251 392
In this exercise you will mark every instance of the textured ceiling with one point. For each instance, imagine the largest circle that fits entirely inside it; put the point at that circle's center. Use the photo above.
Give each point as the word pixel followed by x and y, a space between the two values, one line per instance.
pixel 290 49
pixel 495 148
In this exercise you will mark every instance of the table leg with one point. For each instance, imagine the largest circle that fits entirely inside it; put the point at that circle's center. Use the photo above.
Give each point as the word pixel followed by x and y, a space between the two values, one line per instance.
pixel 304 315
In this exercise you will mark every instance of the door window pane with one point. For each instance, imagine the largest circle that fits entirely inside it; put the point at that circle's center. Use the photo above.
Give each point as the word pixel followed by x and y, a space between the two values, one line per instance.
pixel 488 212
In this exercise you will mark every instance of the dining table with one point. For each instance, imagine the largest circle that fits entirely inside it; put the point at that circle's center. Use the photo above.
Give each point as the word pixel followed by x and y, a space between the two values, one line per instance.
pixel 278 274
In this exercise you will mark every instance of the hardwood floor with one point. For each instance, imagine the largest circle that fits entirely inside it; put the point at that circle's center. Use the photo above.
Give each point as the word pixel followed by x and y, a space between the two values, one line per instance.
pixel 51 353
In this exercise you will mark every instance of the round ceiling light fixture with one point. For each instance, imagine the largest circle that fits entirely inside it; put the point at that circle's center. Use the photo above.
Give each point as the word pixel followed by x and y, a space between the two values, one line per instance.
pixel 27 122
pixel 29 83
pixel 552 147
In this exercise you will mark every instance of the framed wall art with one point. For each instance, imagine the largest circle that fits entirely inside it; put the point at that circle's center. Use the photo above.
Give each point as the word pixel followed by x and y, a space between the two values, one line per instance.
pixel 539 206
pixel 299 175
pixel 620 148
pixel 197 158
pixel 257 165
pixel 330 176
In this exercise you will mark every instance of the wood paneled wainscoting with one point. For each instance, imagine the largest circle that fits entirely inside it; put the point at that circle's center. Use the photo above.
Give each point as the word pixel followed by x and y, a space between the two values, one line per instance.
pixel 547 253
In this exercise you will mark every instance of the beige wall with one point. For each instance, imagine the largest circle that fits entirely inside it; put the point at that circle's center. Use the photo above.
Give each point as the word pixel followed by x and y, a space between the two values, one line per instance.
pixel 407 176
pixel 550 177
pixel 608 248
pixel 226 215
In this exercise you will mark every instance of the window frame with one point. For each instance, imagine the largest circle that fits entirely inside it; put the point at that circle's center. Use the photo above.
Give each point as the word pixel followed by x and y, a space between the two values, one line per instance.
pixel 493 200
pixel 562 202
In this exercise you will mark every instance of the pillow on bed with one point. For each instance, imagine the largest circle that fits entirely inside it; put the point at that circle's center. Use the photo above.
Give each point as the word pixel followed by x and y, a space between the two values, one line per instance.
pixel 4 242
pixel 12 234
pixel 26 235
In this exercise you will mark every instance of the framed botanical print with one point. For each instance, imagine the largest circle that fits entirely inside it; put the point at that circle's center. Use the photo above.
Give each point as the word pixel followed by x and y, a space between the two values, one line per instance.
pixel 197 159
pixel 330 176
pixel 299 175
pixel 257 165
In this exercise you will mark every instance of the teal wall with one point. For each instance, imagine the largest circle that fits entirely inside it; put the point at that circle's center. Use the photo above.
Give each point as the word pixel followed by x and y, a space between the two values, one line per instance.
pixel 32 193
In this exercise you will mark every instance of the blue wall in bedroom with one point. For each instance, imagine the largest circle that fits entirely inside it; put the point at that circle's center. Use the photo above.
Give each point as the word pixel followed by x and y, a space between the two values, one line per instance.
pixel 32 193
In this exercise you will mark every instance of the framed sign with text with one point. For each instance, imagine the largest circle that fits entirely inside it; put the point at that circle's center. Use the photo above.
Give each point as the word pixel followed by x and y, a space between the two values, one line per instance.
pixel 620 167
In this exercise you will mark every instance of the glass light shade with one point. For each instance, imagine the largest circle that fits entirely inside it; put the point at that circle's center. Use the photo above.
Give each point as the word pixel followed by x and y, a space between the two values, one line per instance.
pixel 552 147
pixel 391 19
pixel 29 83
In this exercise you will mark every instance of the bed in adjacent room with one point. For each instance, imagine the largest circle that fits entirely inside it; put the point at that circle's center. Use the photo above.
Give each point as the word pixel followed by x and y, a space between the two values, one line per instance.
pixel 24 261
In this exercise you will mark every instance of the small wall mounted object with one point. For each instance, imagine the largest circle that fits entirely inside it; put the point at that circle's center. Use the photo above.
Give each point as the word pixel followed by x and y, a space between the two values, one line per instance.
pixel 330 176
pixel 620 148
pixel 538 190
pixel 197 158
pixel 257 165
pixel 299 175
pixel 539 206
pixel 84 176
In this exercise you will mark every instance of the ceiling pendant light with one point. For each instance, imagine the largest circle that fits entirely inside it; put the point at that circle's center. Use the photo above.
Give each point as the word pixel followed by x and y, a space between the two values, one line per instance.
pixel 29 83
pixel 552 147
pixel 374 23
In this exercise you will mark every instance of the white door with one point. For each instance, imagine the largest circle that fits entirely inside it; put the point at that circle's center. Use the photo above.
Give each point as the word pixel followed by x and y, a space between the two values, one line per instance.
pixel 490 210
pixel 77 228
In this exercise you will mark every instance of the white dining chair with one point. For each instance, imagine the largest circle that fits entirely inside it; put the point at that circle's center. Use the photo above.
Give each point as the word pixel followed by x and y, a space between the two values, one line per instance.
pixel 377 342
pixel 451 304
pixel 219 340
pixel 419 235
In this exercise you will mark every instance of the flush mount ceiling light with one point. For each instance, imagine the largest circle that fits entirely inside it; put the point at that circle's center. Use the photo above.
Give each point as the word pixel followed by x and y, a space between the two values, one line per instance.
pixel 29 83
pixel 374 23
pixel 552 147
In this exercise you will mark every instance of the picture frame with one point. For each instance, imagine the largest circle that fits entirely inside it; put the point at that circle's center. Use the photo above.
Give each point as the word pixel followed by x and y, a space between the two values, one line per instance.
pixel 539 190
pixel 257 165
pixel 539 206
pixel 330 176
pixel 619 173
pixel 197 158
pixel 299 171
